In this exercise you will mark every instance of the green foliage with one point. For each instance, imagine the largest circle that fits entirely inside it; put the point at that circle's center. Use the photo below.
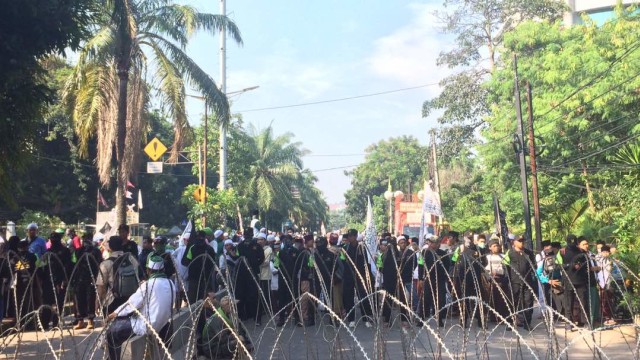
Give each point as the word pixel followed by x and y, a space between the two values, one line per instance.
pixel 219 205
pixel 46 223
pixel 401 160
pixel 585 81
pixel 265 170
pixel 479 27
pixel 107 93
pixel 31 29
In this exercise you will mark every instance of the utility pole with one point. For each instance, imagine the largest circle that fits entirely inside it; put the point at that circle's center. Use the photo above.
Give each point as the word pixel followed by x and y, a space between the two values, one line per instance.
pixel 534 172
pixel 521 156
pixel 223 88
pixel 204 164
pixel 436 177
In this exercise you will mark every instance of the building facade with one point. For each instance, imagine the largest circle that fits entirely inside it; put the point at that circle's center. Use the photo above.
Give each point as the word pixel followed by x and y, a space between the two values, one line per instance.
pixel 599 10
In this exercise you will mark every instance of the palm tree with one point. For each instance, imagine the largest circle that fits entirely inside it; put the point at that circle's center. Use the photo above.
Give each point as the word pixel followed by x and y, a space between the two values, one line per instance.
pixel 276 164
pixel 310 208
pixel 107 93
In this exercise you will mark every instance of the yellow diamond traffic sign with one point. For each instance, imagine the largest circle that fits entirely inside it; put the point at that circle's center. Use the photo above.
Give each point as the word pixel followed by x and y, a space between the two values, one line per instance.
pixel 199 194
pixel 155 149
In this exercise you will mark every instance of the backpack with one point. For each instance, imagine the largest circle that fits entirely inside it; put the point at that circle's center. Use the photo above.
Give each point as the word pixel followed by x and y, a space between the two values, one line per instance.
pixel 549 265
pixel 125 277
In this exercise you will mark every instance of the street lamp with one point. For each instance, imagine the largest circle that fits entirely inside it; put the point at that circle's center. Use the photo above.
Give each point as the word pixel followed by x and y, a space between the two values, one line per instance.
pixel 223 142
pixel 390 195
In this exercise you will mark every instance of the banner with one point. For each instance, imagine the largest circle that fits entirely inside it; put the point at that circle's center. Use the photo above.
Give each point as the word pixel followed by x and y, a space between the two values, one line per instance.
pixel 370 237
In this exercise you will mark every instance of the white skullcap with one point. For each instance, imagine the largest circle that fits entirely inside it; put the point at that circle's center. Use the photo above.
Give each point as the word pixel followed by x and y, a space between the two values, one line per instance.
pixel 261 235
pixel 218 233
pixel 225 234
pixel 271 238
pixel 229 242
pixel 32 226
pixel 401 237
pixel 155 263
pixel 263 230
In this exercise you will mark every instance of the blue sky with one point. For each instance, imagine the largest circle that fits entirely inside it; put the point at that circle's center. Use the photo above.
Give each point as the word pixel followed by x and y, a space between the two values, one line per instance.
pixel 308 51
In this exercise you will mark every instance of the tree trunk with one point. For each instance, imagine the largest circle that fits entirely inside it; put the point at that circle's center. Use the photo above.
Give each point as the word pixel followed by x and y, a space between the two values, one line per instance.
pixel 592 205
pixel 121 202
pixel 123 65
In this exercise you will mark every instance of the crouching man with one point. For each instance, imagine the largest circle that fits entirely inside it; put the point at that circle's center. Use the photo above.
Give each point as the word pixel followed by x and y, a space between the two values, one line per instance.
pixel 149 301
pixel 223 333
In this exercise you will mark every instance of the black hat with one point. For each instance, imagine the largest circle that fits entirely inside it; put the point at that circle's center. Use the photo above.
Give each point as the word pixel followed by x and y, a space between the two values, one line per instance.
pixel 115 243
pixel 494 242
pixel 352 232
pixel 545 243
pixel 160 240
pixel 556 244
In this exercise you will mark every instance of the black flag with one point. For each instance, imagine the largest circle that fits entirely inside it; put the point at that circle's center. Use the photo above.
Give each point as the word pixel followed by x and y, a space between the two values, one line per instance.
pixel 501 221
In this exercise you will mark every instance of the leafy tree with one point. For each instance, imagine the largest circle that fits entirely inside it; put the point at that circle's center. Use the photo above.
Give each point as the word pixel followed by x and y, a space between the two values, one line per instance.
pixel 479 27
pixel 275 165
pixel 401 160
pixel 107 93
pixel 29 31
pixel 585 82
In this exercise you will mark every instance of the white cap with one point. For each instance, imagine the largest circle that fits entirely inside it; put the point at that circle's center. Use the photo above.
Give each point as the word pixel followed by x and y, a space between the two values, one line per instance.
pixel 229 242
pixel 263 230
pixel 271 238
pixel 261 235
pixel 218 233
pixel 401 238
pixel 155 263
pixel 225 234
pixel 512 237
pixel 32 226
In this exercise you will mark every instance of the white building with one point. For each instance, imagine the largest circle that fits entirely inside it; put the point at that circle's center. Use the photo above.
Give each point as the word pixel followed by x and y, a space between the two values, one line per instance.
pixel 599 10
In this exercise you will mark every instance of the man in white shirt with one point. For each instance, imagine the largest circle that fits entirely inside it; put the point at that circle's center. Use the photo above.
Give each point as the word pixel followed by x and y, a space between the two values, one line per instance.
pixel 149 301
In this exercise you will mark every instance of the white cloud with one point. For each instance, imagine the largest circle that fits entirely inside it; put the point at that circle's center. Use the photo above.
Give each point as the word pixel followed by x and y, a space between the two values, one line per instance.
pixel 408 55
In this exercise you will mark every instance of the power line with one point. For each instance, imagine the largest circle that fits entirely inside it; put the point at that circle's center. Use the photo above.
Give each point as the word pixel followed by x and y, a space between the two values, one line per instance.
pixel 593 80
pixel 335 168
pixel 332 155
pixel 336 100
pixel 597 152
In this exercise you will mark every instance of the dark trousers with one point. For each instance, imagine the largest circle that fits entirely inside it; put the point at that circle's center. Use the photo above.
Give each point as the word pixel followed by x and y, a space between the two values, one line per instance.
pixel 578 296
pixel 349 291
pixel 119 331
pixel 284 297
pixel 523 301
pixel 85 301
pixel 386 306
pixel 498 291
pixel 264 299
pixel 198 289
pixel 434 300
pixel 53 301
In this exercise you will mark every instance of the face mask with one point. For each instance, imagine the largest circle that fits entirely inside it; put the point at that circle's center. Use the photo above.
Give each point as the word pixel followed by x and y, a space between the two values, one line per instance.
pixel 482 245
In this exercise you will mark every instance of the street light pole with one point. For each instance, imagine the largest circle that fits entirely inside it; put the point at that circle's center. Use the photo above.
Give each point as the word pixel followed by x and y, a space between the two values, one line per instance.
pixel 222 184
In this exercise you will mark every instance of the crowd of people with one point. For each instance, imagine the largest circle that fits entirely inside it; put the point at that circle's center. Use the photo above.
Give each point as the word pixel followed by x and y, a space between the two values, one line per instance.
pixel 301 279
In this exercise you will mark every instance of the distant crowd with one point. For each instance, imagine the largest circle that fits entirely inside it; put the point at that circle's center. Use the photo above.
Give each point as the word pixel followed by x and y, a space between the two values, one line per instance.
pixel 301 279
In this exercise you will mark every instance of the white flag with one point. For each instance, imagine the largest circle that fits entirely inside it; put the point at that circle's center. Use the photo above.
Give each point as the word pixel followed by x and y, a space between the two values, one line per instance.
pixel 187 231
pixel 139 199
pixel 370 237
